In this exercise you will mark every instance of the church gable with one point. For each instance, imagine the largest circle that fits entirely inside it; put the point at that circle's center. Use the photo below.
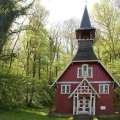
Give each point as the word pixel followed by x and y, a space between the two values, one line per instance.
pixel 85 84
pixel 84 88
pixel 92 70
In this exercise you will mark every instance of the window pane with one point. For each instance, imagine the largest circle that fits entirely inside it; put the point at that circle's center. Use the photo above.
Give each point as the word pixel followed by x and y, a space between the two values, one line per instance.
pixel 101 89
pixel 89 72
pixel 85 73
pixel 104 89
pixel 80 72
pixel 85 70
pixel 65 89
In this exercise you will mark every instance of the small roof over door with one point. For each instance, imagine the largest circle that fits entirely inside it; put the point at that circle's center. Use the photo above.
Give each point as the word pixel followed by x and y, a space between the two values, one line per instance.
pixel 84 88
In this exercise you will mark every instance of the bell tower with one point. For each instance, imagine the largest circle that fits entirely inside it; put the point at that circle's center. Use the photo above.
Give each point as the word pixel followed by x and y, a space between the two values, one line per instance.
pixel 85 36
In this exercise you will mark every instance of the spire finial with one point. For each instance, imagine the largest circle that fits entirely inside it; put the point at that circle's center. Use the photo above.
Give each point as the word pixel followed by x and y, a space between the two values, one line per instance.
pixel 85 22
pixel 86 2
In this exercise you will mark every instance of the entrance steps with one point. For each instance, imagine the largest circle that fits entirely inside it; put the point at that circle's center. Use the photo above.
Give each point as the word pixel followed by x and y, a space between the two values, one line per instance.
pixel 83 117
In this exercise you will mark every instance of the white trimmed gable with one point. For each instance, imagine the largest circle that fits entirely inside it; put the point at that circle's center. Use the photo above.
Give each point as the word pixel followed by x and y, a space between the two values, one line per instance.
pixel 99 63
pixel 84 88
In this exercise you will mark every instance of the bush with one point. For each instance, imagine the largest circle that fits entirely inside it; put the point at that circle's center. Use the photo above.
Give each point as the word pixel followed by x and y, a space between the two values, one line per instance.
pixel 11 90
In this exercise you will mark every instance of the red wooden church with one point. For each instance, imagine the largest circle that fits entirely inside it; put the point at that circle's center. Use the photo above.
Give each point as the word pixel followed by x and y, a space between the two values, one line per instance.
pixel 85 87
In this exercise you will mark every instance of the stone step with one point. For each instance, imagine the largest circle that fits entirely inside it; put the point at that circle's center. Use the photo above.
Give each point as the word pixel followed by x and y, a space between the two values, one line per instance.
pixel 83 117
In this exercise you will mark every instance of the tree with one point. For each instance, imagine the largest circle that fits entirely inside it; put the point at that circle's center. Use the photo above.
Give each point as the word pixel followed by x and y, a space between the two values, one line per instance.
pixel 34 47
pixel 68 33
pixel 107 20
pixel 9 11
pixel 107 43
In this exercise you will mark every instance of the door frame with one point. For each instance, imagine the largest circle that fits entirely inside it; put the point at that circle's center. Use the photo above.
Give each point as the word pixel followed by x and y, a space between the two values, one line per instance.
pixel 76 104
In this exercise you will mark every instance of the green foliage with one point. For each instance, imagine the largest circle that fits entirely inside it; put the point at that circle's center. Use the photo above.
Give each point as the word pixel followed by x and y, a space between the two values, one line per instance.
pixel 107 44
pixel 24 80
pixel 117 90
pixel 46 97
pixel 109 118
pixel 9 11
pixel 11 90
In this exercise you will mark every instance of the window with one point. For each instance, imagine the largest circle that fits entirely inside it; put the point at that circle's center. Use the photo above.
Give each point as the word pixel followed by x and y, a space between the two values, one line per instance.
pixel 65 89
pixel 84 71
pixel 104 88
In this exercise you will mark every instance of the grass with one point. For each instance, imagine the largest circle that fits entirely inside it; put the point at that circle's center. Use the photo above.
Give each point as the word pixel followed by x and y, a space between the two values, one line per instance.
pixel 108 118
pixel 37 114
pixel 28 114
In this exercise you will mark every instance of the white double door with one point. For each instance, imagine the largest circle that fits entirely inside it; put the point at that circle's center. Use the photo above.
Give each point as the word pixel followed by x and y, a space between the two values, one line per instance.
pixel 84 105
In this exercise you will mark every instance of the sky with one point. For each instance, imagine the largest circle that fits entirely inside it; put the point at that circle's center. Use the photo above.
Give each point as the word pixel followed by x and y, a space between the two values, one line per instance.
pixel 60 10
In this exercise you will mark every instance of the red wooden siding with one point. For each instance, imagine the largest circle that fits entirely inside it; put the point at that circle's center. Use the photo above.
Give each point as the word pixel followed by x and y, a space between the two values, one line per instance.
pixel 104 100
pixel 65 105
pixel 99 74
pixel 62 102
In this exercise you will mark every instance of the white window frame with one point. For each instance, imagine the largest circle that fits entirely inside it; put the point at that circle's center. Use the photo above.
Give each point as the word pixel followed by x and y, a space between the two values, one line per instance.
pixel 82 67
pixel 103 91
pixel 91 76
pixel 65 91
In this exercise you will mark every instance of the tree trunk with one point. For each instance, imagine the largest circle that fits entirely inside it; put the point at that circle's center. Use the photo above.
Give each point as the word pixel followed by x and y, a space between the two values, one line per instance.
pixel 39 68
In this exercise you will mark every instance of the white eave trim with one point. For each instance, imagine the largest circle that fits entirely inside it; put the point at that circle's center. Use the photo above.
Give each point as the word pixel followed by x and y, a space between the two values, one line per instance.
pixel 76 82
pixel 85 60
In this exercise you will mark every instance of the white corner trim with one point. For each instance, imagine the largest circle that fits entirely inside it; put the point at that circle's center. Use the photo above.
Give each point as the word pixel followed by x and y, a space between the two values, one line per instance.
pixel 91 72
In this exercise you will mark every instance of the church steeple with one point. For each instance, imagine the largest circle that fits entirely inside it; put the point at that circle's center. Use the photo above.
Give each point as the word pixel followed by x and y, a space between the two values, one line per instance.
pixel 85 36
pixel 85 23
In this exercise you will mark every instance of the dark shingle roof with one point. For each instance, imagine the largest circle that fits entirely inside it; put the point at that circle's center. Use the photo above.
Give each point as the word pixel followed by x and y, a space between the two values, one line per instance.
pixel 85 23
pixel 85 51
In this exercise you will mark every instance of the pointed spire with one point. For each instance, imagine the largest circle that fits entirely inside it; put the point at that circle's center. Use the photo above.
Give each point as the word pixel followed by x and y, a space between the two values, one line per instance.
pixel 85 23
